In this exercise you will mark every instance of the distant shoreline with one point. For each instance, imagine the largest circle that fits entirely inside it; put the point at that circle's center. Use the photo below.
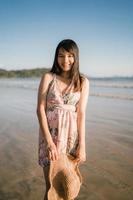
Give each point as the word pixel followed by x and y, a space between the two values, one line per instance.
pixel 37 72
pixel 24 73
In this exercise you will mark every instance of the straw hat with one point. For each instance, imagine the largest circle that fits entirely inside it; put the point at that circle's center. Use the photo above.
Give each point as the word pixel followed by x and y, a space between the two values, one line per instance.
pixel 65 179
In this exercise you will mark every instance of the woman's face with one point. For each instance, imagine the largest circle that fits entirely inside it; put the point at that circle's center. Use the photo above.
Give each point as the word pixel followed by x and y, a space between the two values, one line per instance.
pixel 65 60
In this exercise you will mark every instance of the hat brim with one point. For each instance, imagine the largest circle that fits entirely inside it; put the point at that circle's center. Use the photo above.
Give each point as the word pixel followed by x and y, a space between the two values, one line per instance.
pixel 65 178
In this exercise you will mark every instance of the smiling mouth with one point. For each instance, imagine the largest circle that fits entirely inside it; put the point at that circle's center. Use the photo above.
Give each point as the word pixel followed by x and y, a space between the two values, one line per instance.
pixel 66 65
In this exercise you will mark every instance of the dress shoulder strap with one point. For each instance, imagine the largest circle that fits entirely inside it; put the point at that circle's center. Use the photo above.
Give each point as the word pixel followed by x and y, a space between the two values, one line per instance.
pixel 54 76
pixel 53 79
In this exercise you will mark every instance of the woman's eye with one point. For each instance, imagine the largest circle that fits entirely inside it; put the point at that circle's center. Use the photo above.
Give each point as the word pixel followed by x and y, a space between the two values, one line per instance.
pixel 62 56
pixel 70 56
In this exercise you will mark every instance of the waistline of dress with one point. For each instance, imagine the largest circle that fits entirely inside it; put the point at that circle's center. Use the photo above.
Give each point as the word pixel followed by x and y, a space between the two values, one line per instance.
pixel 65 107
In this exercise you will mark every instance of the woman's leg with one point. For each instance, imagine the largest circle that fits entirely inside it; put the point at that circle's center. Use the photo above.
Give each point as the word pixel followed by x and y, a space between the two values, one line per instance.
pixel 46 176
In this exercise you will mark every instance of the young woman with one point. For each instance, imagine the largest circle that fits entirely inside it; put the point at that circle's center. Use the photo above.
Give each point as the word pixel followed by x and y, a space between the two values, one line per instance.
pixel 62 101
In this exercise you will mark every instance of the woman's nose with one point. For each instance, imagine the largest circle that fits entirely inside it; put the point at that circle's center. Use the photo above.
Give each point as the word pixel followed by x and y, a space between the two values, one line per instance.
pixel 65 58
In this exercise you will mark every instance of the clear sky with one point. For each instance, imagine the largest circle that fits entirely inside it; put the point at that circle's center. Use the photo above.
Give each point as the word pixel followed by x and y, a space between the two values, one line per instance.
pixel 103 29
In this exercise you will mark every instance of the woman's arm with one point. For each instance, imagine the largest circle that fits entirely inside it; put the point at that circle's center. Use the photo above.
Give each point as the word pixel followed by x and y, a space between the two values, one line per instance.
pixel 41 106
pixel 81 114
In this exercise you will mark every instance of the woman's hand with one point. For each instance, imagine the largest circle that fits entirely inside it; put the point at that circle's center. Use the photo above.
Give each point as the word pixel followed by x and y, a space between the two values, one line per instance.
pixel 52 151
pixel 80 154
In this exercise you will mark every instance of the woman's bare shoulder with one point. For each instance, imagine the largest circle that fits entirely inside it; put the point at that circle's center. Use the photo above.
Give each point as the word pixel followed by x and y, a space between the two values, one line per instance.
pixel 48 76
pixel 45 81
pixel 85 80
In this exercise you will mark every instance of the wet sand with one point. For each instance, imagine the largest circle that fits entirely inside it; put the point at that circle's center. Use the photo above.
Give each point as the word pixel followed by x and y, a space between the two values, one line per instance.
pixel 108 171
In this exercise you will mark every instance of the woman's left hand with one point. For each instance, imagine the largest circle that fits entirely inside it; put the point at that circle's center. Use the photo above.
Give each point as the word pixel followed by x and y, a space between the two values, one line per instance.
pixel 80 154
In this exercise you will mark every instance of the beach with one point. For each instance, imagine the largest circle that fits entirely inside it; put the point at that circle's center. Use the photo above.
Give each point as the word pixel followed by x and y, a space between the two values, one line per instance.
pixel 108 171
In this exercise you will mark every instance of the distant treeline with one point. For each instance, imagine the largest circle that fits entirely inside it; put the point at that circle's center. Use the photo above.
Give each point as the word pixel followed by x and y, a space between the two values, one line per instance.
pixel 37 72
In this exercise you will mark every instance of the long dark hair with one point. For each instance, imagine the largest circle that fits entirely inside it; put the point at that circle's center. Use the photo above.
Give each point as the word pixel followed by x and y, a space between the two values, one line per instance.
pixel 71 47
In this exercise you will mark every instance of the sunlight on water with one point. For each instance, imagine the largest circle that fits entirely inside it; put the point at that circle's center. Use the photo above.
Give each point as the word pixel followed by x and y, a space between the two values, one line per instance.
pixel 121 88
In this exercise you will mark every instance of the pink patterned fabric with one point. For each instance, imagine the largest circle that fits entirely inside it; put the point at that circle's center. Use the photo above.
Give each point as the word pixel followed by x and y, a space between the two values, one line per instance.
pixel 62 121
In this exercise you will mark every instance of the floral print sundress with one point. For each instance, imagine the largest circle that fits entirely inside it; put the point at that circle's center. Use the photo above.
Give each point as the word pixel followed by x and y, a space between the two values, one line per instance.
pixel 61 113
